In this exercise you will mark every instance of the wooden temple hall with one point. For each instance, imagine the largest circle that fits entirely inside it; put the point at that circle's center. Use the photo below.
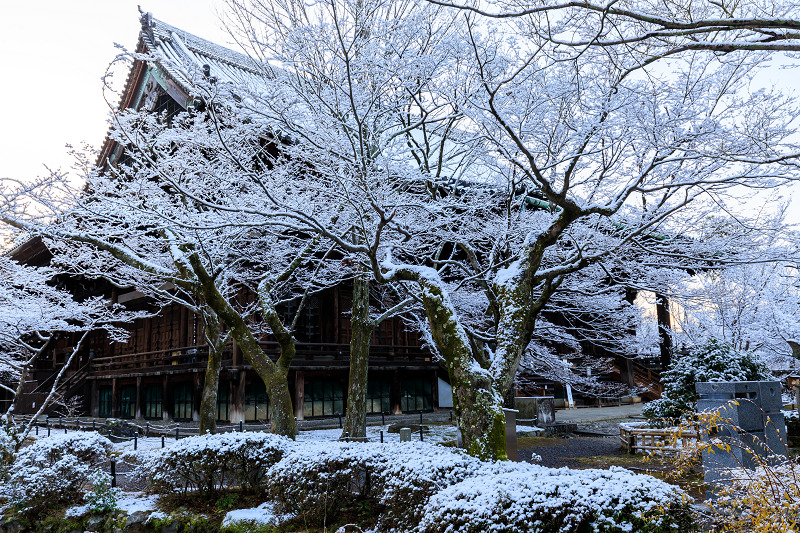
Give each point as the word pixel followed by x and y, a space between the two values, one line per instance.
pixel 158 372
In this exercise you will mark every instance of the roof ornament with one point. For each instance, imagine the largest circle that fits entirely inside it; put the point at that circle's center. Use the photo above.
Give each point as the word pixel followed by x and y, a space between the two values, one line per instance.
pixel 147 24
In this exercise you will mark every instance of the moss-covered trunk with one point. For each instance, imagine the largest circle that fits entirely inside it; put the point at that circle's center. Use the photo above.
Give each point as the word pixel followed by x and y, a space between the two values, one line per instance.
pixel 477 404
pixel 208 402
pixel 355 424
pixel 274 374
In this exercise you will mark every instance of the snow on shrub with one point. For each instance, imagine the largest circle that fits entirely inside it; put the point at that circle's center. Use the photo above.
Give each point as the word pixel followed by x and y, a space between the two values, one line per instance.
pixel 8 446
pixel 519 497
pixel 449 491
pixel 318 479
pixel 410 473
pixel 54 469
pixel 713 361
pixel 208 463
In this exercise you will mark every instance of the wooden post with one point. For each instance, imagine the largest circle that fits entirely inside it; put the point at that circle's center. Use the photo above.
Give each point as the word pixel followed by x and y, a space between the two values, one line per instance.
pixel 299 394
pixel 396 391
pixel 138 405
pixel 114 399
pixel 197 396
pixel 166 406
pixel 94 407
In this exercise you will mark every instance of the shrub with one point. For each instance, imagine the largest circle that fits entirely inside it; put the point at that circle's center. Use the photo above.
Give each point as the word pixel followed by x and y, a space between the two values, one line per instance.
pixel 52 470
pixel 8 446
pixel 445 490
pixel 210 462
pixel 510 498
pixel 102 498
pixel 317 480
pixel 713 361
pixel 409 474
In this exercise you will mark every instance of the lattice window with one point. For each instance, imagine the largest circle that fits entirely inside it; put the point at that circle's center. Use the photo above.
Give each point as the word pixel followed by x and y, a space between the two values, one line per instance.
pixel 104 402
pixel 417 395
pixel 323 398
pixel 182 405
pixel 127 403
pixel 378 397
pixel 153 404
pixel 256 403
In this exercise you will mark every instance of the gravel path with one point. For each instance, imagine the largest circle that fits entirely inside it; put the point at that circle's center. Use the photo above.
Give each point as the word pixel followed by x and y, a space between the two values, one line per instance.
pixel 567 451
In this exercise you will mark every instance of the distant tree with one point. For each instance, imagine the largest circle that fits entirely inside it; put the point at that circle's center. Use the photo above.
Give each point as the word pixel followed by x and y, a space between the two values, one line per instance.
pixel 713 361
pixel 34 313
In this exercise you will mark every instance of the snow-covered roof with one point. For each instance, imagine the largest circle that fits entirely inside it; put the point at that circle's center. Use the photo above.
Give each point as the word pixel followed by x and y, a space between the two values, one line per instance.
pixel 183 55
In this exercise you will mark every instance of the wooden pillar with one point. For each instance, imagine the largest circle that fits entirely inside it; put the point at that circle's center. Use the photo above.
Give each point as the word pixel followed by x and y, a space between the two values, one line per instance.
pixel 138 410
pixel 94 408
pixel 197 396
pixel 299 393
pixel 664 330
pixel 236 356
pixel 397 390
pixel 336 338
pixel 114 399
pixel 183 328
pixel 238 384
pixel 166 404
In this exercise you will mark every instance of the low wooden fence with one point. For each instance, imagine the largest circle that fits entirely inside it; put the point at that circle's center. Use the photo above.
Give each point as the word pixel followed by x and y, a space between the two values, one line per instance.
pixel 643 439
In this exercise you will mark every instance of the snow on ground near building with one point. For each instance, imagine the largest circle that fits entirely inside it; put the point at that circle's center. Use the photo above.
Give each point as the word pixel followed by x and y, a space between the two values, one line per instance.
pixel 434 434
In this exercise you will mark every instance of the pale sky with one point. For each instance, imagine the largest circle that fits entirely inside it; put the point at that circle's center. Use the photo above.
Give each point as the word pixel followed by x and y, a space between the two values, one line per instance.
pixel 54 53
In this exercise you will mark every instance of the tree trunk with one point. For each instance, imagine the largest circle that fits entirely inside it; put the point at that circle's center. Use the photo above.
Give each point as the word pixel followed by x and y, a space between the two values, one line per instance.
pixel 208 403
pixel 664 331
pixel 274 375
pixel 355 424
pixel 478 405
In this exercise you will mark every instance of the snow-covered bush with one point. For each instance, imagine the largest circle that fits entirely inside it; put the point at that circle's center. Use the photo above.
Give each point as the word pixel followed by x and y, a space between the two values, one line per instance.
pixel 210 462
pixel 8 446
pixel 102 498
pixel 713 361
pixel 519 497
pixel 436 489
pixel 412 472
pixel 316 480
pixel 53 470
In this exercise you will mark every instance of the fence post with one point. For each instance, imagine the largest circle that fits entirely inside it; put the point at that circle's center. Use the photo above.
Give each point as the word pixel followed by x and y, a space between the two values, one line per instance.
pixel 37 430
pixel 93 424
pixel 113 473
pixel 135 442
pixel 340 420
pixel 631 443
pixel 241 426
pixel 381 436
pixel 162 441
pixel 176 432
pixel 383 418
pixel 420 431
pixel 147 429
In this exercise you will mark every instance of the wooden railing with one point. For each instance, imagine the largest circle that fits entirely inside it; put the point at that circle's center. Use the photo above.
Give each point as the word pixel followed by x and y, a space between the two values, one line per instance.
pixel 643 439
pixel 308 354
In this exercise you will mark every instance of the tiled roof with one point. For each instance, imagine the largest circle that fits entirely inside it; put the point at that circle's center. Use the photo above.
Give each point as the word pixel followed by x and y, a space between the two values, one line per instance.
pixel 183 55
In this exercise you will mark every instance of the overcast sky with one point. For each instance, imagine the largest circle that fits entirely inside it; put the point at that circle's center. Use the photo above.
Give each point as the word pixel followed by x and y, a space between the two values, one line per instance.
pixel 56 51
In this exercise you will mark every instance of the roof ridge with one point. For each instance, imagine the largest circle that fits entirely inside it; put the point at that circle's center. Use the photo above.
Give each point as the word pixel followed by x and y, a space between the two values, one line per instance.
pixel 203 46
